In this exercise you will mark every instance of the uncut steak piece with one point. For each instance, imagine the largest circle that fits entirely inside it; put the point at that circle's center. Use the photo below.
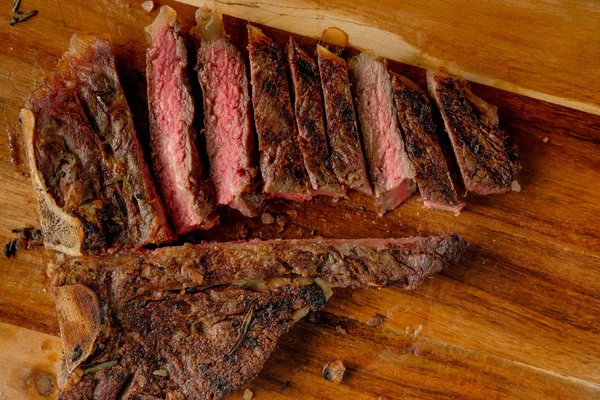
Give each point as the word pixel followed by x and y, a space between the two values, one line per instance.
pixel 486 155
pixel 173 345
pixel 356 263
pixel 420 137
pixel 391 172
pixel 230 140
pixel 200 321
pixel 94 191
pixel 347 159
pixel 308 107
pixel 189 197
pixel 281 162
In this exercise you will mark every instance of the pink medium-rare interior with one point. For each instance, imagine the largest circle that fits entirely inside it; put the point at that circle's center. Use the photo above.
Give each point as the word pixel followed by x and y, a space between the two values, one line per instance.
pixel 226 126
pixel 389 163
pixel 170 150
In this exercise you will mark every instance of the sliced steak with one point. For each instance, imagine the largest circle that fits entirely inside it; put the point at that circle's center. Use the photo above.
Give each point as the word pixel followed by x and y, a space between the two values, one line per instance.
pixel 347 158
pixel 356 263
pixel 94 191
pixel 308 107
pixel 391 171
pixel 188 195
pixel 281 162
pixel 416 122
pixel 230 140
pixel 181 345
pixel 486 155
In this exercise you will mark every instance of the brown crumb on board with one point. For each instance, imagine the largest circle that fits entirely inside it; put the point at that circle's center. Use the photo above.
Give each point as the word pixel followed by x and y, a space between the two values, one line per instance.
pixel 375 320
pixel 334 371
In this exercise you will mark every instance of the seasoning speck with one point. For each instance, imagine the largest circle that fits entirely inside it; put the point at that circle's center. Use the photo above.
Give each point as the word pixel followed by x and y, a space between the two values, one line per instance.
pixel 100 367
pixel 546 139
pixel 248 394
pixel 375 320
pixel 284 385
pixel 161 372
pixel 334 371
pixel 267 219
pixel 148 6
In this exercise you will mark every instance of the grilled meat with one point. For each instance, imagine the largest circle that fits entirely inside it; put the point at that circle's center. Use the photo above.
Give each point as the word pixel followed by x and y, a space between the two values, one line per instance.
pixel 308 106
pixel 391 171
pixel 418 129
pixel 174 345
pixel 281 162
pixel 94 191
pixel 230 141
pixel 486 155
pixel 200 321
pixel 356 263
pixel 347 158
pixel 188 196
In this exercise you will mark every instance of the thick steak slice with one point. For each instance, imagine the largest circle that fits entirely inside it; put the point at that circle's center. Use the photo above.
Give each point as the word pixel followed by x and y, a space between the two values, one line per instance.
pixel 175 345
pixel 347 158
pixel 94 191
pixel 230 140
pixel 188 195
pixel 422 146
pixel 356 263
pixel 391 171
pixel 281 162
pixel 308 107
pixel 486 155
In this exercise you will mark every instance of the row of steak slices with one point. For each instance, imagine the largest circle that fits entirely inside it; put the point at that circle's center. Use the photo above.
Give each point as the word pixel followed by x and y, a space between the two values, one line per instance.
pixel 95 191
pixel 308 136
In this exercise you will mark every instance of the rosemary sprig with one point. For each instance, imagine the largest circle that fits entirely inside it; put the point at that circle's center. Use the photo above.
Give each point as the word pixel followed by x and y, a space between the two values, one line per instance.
pixel 99 367
pixel 242 332
pixel 20 17
pixel 15 6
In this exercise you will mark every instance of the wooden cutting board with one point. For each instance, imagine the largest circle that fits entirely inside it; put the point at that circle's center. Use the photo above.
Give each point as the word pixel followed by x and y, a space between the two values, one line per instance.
pixel 518 318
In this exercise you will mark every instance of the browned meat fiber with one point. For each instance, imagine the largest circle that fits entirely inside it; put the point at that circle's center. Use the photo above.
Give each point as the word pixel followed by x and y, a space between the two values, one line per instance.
pixel 188 196
pixel 230 140
pixel 418 129
pixel 281 162
pixel 347 159
pixel 94 191
pixel 356 263
pixel 391 171
pixel 308 106
pixel 200 321
pixel 486 155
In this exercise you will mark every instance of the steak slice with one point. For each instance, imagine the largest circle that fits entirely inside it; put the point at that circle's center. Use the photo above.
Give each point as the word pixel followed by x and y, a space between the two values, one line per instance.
pixel 188 195
pixel 416 121
pixel 174 345
pixel 230 141
pixel 391 171
pixel 355 263
pixel 93 189
pixel 281 162
pixel 347 158
pixel 486 155
pixel 308 106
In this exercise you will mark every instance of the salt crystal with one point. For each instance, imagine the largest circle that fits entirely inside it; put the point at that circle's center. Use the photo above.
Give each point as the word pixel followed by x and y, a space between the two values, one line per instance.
pixel 148 6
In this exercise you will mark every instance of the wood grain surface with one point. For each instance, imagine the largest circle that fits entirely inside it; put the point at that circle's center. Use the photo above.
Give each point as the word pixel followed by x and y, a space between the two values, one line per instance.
pixel 518 318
